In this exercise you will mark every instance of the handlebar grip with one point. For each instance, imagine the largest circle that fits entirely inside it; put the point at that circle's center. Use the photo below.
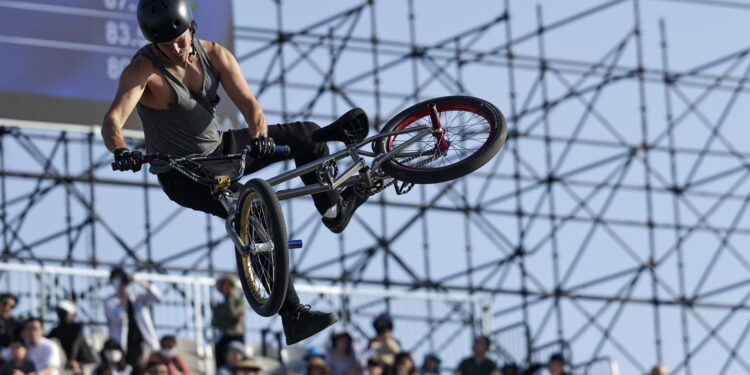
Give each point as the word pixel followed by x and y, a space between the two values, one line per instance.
pixel 282 150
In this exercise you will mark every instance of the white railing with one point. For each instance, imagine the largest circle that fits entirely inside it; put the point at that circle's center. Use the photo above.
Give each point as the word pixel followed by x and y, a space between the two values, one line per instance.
pixel 426 322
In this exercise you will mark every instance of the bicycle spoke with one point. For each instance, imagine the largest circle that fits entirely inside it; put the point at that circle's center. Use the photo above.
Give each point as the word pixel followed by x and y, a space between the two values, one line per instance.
pixel 465 130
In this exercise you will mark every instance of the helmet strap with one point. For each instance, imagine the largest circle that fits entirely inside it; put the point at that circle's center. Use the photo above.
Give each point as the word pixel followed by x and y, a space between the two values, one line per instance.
pixel 192 45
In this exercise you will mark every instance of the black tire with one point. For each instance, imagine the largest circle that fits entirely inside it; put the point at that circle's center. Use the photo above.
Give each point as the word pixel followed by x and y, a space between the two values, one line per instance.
pixel 258 213
pixel 489 117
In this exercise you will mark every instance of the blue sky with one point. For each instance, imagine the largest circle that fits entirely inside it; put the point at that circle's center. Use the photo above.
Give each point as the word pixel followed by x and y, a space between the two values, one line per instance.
pixel 696 34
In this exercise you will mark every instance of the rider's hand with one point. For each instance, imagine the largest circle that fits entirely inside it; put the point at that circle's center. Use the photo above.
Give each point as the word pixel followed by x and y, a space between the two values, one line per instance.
pixel 129 160
pixel 262 148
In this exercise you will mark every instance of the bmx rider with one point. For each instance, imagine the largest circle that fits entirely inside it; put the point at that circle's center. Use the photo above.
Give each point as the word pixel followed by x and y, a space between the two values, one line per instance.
pixel 172 83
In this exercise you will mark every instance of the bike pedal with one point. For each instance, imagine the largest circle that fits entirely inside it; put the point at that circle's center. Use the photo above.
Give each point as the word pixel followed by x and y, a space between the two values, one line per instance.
pixel 402 188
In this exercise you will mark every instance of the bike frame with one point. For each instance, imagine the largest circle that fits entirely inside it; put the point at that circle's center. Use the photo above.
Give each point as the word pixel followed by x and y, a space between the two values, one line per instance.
pixel 358 172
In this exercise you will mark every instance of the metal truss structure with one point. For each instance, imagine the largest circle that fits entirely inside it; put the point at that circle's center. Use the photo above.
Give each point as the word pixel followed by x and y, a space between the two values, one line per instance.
pixel 612 224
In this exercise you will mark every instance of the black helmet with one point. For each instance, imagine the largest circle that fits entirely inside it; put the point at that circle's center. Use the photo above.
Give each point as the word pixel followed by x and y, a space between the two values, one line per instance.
pixel 164 20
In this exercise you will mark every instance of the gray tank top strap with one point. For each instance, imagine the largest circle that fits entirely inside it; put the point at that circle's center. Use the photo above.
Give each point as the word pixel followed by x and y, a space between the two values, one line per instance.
pixel 208 67
pixel 209 96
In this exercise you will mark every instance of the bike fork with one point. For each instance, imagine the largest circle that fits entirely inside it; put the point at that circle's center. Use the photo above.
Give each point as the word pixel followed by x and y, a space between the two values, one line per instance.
pixel 228 202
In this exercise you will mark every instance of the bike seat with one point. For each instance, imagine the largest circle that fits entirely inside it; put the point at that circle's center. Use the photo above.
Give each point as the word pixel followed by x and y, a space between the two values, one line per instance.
pixel 351 128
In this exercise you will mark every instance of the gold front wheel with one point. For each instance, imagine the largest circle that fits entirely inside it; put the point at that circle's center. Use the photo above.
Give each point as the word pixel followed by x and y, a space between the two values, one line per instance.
pixel 260 224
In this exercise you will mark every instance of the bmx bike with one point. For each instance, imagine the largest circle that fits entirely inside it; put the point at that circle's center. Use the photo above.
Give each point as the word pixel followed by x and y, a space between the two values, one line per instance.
pixel 434 141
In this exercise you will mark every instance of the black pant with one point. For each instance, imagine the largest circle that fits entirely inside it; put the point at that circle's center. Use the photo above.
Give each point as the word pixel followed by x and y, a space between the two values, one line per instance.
pixel 296 135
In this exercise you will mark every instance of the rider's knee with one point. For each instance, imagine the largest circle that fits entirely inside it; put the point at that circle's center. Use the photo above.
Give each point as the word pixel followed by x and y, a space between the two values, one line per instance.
pixel 309 127
pixel 304 139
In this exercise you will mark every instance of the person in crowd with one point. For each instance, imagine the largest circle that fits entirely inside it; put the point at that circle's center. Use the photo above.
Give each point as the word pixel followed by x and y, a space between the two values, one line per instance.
pixel 374 367
pixel 176 365
pixel 112 360
pixel 555 366
pixel 317 366
pixel 71 337
pixel 43 352
pixel 384 346
pixel 18 363
pixel 246 367
pixel 659 370
pixel 478 363
pixel 129 318
pixel 9 326
pixel 228 317
pixel 314 353
pixel 156 367
pixel 235 353
pixel 404 364
pixel 510 369
pixel 342 356
pixel 430 365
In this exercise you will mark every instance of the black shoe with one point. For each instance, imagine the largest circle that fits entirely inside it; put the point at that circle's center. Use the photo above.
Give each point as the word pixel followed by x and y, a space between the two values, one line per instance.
pixel 301 323
pixel 348 203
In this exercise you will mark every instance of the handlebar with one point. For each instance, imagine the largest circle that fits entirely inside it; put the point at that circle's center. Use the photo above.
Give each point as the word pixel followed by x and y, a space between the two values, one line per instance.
pixel 177 162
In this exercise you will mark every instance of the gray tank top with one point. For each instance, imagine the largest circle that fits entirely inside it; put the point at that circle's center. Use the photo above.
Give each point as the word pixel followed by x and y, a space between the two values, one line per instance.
pixel 190 126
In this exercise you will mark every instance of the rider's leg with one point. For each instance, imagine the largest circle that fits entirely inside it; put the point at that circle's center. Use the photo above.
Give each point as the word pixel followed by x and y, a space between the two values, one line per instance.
pixel 190 194
pixel 299 321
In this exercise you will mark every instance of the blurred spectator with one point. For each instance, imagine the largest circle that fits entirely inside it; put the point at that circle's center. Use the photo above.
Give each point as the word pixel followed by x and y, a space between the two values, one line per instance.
pixel 228 317
pixel 235 354
pixel 246 367
pixel 9 326
pixel 71 337
pixel 112 360
pixel 510 369
pixel 659 370
pixel 176 365
pixel 374 367
pixel 430 365
pixel 42 351
pixel 314 352
pixel 555 366
pixel 404 364
pixel 129 318
pixel 317 366
pixel 478 364
pixel 18 363
pixel 342 357
pixel 157 367
pixel 384 346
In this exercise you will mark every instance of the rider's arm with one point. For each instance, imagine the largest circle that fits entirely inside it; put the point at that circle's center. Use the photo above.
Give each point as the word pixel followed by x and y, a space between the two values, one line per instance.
pixel 132 85
pixel 238 90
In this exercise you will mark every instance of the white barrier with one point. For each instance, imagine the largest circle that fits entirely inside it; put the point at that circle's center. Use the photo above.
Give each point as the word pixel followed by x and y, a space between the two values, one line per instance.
pixel 185 310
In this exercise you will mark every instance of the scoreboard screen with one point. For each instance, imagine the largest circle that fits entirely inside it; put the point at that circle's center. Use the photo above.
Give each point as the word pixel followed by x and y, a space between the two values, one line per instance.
pixel 60 60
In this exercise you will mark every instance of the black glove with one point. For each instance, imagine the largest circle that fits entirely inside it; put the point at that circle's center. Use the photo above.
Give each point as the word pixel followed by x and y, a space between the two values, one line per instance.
pixel 262 148
pixel 128 160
